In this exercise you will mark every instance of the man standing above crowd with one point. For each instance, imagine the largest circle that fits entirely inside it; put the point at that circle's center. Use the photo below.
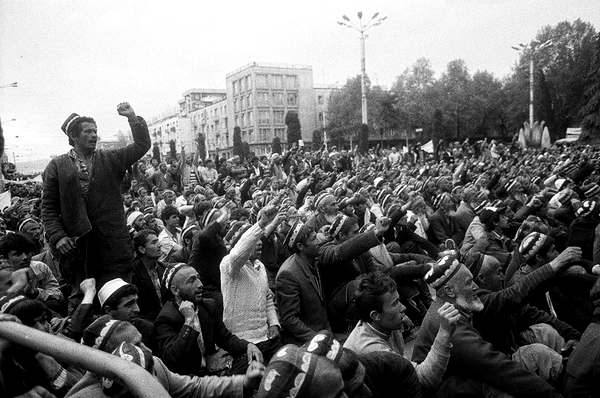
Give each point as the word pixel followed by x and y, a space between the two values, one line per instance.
pixel 82 208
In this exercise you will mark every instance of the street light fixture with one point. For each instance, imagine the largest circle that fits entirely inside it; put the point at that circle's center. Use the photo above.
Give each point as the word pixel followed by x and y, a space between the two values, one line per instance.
pixel 13 84
pixel 362 27
pixel 532 48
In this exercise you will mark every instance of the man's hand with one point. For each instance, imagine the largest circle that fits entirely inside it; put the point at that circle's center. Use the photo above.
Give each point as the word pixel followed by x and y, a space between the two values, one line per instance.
pixel 254 353
pixel 66 245
pixel 88 286
pixel 382 225
pixel 266 215
pixel 187 309
pixel 254 375
pixel 449 315
pixel 126 110
pixel 273 332
pixel 568 256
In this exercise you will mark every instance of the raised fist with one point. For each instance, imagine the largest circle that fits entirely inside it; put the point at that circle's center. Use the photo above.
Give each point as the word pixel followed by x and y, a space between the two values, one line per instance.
pixel 126 110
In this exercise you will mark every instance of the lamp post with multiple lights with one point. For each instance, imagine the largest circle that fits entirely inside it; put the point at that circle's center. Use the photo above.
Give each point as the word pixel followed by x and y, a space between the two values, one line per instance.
pixel 362 27
pixel 531 48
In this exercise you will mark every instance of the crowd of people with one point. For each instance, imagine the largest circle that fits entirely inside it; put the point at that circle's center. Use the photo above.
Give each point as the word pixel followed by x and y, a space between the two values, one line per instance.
pixel 313 273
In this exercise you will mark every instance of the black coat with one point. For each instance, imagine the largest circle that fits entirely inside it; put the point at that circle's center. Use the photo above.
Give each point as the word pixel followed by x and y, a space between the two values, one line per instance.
pixel 208 250
pixel 178 344
pixel 148 301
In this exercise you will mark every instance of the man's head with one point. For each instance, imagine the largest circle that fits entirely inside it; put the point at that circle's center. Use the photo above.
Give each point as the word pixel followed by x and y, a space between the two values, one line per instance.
pixel 163 168
pixel 154 162
pixel 170 216
pixel 378 303
pixel 145 244
pixel 127 199
pixel 184 283
pixel 487 272
pixel 82 132
pixel 31 228
pixel 17 249
pixel 169 196
pixel 326 203
pixel 106 334
pixel 31 312
pixel 454 283
pixel 119 299
pixel 538 249
pixel 302 239
pixel 344 228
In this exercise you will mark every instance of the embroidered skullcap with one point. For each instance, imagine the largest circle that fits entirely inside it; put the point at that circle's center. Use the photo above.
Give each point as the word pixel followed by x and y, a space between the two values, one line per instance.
pixel 69 122
pixel 533 244
pixel 138 355
pixel 190 229
pixel 291 238
pixel 440 199
pixel 338 224
pixel 325 345
pixel 25 221
pixel 8 302
pixel 560 183
pixel 587 207
pixel 170 274
pixel 536 180
pixel 592 191
pixel 377 182
pixel 209 216
pixel 236 231
pixel 99 332
pixel 293 372
pixel 322 198
pixel 442 271
pixel 133 216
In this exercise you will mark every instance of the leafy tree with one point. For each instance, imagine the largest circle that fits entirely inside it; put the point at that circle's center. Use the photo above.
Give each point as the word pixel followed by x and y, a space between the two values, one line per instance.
pixel 590 112
pixel 363 139
pixel 317 140
pixel 172 149
pixel 201 146
pixel 156 151
pixel 276 145
pixel 294 132
pixel 238 149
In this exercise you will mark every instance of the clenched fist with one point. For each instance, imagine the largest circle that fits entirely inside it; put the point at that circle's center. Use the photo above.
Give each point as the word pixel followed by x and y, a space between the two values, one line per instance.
pixel 126 110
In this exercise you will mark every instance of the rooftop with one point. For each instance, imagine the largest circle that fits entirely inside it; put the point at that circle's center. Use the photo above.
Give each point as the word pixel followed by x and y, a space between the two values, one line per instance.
pixel 269 65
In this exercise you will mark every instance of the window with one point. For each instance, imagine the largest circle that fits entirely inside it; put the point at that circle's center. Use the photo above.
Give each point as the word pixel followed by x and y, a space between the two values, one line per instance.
pixel 320 116
pixel 235 105
pixel 264 117
pixel 262 98
pixel 291 81
pixel 244 83
pixel 236 119
pixel 278 117
pixel 262 80
pixel 250 118
pixel 248 83
pixel 249 100
pixel 278 98
pixel 292 99
pixel 242 117
pixel 277 81
pixel 320 100
pixel 263 134
pixel 279 132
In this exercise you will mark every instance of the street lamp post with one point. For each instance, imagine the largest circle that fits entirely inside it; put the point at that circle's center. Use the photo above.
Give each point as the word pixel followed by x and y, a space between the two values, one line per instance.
pixel 532 48
pixel 361 27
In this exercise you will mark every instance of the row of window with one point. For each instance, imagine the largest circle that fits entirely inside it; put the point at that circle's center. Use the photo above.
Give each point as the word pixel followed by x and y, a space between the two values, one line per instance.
pixel 264 135
pixel 265 80
pixel 246 119
pixel 265 98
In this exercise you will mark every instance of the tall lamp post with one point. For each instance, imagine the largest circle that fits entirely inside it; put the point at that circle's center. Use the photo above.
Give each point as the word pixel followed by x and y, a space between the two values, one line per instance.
pixel 531 48
pixel 362 27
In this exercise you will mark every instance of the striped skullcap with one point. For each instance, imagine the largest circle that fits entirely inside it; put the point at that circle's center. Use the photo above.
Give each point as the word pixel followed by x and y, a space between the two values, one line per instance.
pixel 442 271
pixel 170 274
pixel 532 244
pixel 587 207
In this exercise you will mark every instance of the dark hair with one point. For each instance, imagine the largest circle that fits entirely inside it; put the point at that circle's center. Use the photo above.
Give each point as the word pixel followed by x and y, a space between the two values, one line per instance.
pixel 28 310
pixel 368 295
pixel 140 239
pixel 168 212
pixel 115 299
pixel 75 128
pixel 348 225
pixel 303 235
pixel 238 214
pixel 18 242
pixel 489 219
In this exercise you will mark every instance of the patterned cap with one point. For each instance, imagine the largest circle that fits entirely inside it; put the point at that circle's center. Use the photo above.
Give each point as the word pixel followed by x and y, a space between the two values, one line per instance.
pixel 129 352
pixel 170 274
pixel 99 332
pixel 592 191
pixel 442 271
pixel 588 207
pixel 533 244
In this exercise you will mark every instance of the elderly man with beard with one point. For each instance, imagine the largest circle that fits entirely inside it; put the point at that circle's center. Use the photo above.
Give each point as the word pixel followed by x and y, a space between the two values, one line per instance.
pixel 189 328
pixel 476 367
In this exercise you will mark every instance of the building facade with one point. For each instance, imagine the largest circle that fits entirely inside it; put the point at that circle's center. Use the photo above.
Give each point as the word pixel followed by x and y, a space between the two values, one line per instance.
pixel 256 99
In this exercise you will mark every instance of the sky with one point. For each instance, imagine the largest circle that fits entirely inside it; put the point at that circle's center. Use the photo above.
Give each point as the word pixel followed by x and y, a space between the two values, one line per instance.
pixel 87 56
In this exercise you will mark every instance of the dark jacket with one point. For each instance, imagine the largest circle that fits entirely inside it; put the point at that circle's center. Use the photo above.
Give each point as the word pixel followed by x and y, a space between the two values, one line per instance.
pixel 178 344
pixel 148 301
pixel 506 313
pixel 581 233
pixel 443 227
pixel 208 250
pixel 301 301
pixel 475 358
pixel 583 369
pixel 337 261
pixel 66 213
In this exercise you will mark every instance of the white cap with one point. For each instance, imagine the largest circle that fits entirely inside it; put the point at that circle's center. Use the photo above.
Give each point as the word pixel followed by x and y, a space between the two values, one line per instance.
pixel 377 181
pixel 132 217
pixel 109 288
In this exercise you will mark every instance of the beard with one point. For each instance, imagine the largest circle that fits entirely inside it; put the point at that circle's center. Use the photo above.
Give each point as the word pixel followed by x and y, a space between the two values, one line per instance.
pixel 470 304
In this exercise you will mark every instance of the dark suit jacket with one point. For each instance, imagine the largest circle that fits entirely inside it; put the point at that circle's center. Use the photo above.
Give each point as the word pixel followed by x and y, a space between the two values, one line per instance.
pixel 301 301
pixel 178 344
pixel 442 228
pixel 148 301
pixel 208 250
pixel 66 213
